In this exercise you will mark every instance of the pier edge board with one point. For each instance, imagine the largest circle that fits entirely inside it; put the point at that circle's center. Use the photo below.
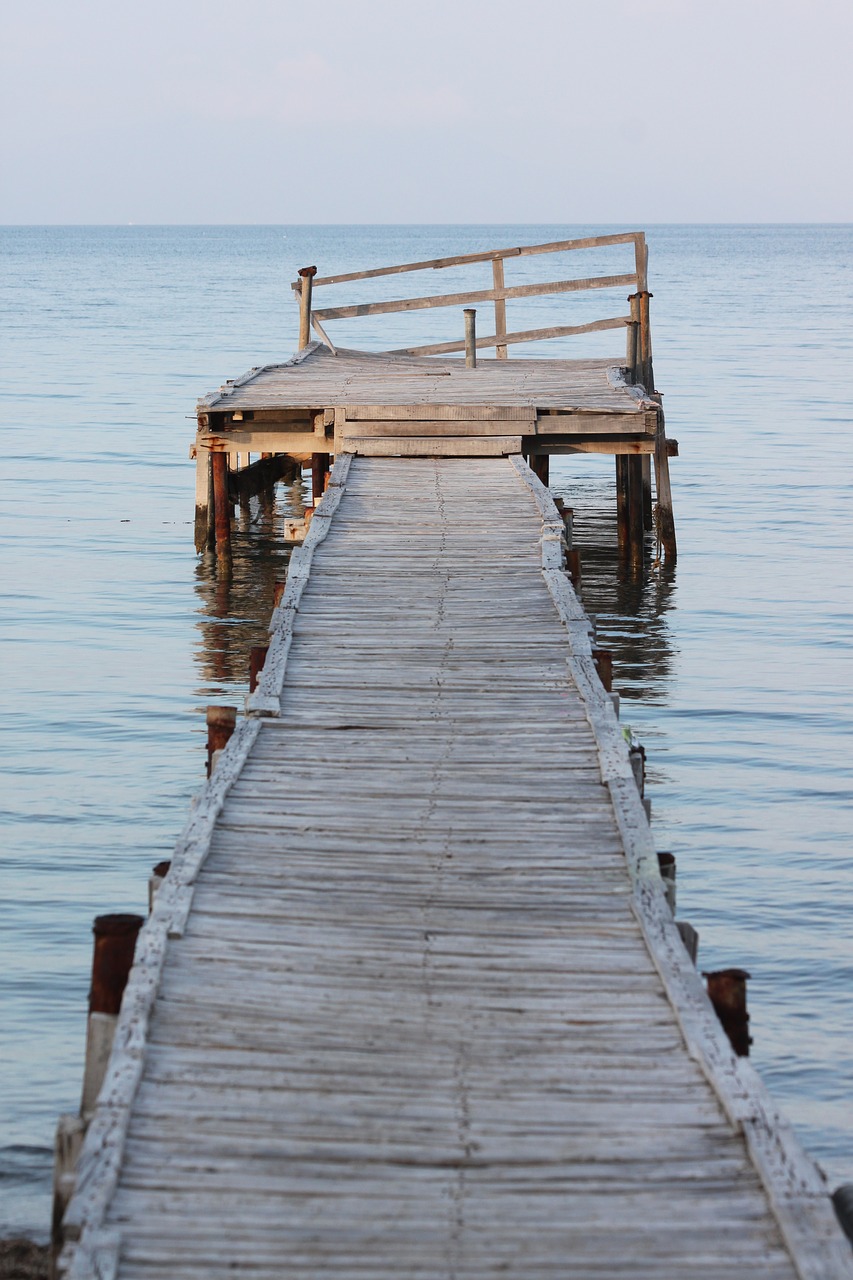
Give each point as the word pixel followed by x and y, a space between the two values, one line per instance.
pixel 796 1189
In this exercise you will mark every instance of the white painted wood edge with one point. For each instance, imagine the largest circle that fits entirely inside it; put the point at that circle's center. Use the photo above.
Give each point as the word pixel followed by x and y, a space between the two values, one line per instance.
pixel 214 397
pixel 100 1159
pixel 97 1259
pixel 616 376
pixel 796 1189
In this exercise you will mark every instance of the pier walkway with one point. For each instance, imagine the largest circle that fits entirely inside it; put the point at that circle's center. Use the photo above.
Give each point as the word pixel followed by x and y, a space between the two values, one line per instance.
pixel 411 1002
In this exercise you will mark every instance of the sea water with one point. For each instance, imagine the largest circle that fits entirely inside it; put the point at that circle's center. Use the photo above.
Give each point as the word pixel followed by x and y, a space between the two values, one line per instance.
pixel 734 667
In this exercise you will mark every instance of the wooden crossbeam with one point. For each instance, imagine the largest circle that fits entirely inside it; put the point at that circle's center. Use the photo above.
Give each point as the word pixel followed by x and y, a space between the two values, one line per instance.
pixel 477 295
pixel 636 238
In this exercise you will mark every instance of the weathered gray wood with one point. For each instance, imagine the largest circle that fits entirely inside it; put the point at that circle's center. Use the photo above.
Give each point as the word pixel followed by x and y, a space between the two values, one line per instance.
pixel 500 308
pixel 475 295
pixel 637 238
pixel 501 340
pixel 418 1018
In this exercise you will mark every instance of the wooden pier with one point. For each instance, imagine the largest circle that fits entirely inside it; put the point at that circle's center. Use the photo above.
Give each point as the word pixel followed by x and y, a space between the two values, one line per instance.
pixel 412 1000
pixel 424 401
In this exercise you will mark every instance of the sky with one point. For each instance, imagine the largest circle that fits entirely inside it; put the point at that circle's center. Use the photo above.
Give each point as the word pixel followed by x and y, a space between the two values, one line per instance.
pixel 445 111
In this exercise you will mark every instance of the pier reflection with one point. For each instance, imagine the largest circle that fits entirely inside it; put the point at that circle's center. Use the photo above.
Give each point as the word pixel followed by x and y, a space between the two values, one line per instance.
pixel 630 609
pixel 234 605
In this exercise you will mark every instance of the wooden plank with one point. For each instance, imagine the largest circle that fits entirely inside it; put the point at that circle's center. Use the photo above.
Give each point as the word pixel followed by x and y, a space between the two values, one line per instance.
pixel 501 339
pixel 451 428
pixel 477 295
pixel 433 446
pixel 435 412
pixel 418 1017
pixel 554 246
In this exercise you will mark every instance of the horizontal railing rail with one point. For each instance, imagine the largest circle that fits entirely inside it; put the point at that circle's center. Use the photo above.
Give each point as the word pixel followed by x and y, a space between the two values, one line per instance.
pixel 638 355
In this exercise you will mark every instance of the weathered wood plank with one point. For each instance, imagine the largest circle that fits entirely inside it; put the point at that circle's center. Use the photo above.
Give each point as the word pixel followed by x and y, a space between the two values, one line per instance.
pixel 429 1014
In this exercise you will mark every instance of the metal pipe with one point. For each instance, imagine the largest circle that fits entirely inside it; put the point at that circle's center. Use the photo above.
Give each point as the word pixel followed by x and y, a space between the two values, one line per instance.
pixel 727 993
pixel 221 723
pixel 470 314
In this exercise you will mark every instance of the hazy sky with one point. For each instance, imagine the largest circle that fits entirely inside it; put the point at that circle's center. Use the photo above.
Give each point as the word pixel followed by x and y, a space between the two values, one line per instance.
pixel 437 111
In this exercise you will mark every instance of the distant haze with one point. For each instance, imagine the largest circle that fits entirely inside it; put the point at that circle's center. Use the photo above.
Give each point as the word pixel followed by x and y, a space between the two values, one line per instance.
pixel 270 111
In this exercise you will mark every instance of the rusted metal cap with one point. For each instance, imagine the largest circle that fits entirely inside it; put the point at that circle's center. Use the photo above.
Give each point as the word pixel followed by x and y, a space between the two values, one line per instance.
pixel 307 271
pixel 162 869
pixel 115 943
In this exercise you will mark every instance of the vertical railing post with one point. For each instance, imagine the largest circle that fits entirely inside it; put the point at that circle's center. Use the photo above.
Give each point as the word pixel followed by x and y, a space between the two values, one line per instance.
pixel 646 341
pixel 632 346
pixel 470 314
pixel 500 307
pixel 306 277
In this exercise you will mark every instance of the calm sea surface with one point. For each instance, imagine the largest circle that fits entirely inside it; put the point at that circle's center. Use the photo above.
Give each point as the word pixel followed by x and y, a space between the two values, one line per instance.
pixel 735 668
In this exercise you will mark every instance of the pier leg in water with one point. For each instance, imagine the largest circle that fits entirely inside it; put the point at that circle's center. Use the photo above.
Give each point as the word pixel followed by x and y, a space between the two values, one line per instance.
pixel 319 475
pixel 648 514
pixel 221 506
pixel 622 503
pixel 665 518
pixel 202 498
pixel 636 532
pixel 540 466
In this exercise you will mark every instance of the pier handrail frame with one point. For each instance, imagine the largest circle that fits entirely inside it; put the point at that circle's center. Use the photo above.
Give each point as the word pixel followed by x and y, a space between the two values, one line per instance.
pixel 501 339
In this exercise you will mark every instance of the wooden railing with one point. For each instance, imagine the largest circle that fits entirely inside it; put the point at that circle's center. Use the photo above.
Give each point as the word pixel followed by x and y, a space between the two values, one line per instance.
pixel 638 356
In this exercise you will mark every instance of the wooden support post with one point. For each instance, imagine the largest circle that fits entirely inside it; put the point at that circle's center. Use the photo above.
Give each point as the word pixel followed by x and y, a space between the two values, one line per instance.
pixel 603 659
pixel 646 340
pixel 540 466
pixel 636 532
pixel 842 1200
pixel 664 518
pixel 727 993
pixel 70 1132
pixel 278 591
pixel 573 567
pixel 567 514
pixel 637 756
pixel 221 506
pixel 666 862
pixel 319 475
pixel 115 943
pixel 158 875
pixel 690 937
pixel 306 277
pixel 632 353
pixel 500 307
pixel 648 514
pixel 470 314
pixel 202 498
pixel 221 723
pixel 622 526
pixel 257 658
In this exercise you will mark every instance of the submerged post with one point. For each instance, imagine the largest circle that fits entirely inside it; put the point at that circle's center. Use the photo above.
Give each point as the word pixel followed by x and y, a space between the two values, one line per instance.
pixel 115 943
pixel 221 505
pixel 664 518
pixel 306 276
pixel 470 338
pixel 727 993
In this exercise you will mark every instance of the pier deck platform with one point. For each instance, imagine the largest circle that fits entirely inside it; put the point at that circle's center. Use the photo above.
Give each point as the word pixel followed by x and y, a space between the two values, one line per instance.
pixel 411 1001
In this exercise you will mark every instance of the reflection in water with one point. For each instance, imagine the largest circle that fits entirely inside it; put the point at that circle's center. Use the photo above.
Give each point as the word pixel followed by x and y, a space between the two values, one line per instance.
pixel 630 609
pixel 235 605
